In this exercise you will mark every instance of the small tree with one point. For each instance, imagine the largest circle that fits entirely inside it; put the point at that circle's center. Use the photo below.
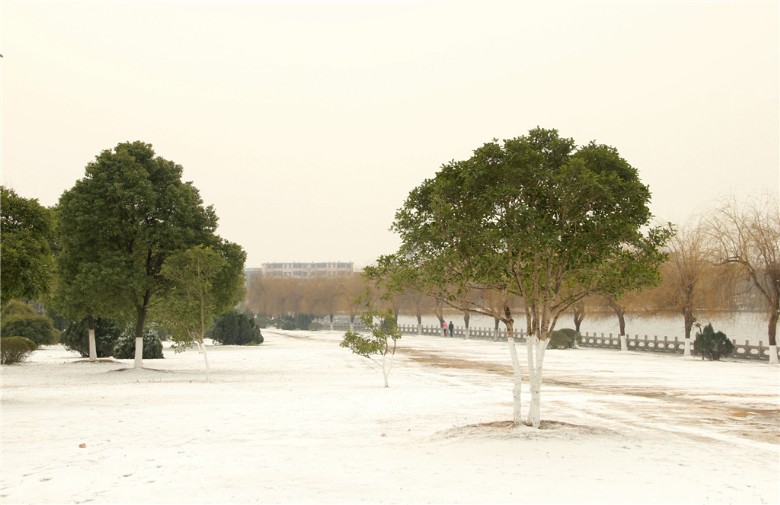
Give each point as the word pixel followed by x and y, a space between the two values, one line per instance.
pixel 205 282
pixel 712 344
pixel 381 340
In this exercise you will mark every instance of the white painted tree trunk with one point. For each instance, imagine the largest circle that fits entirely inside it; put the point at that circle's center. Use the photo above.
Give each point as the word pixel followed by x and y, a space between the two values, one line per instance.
pixel 386 368
pixel 535 366
pixel 419 329
pixel 139 353
pixel 517 415
pixel 205 359
pixel 467 332
pixel 687 351
pixel 92 345
pixel 623 343
pixel 773 355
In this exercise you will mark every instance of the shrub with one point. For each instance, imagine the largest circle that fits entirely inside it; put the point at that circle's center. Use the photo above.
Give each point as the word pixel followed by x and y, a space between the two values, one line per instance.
pixel 712 344
pixel 565 338
pixel 125 346
pixel 262 321
pixel 107 335
pixel 21 320
pixel 233 328
pixel 15 349
pixel 315 326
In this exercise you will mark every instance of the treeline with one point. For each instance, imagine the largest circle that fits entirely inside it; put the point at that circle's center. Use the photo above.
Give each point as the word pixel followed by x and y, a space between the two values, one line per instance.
pixel 696 278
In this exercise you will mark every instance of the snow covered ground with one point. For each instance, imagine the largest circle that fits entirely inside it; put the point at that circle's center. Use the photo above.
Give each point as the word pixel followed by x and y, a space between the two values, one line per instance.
pixel 301 420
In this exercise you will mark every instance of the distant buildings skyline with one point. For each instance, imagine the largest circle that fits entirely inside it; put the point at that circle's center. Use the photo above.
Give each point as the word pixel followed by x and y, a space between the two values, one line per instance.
pixel 302 270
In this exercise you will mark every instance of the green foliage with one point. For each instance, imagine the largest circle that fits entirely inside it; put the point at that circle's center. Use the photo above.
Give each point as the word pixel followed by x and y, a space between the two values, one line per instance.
pixel 711 344
pixel 296 322
pixel 313 326
pixel 15 349
pixel 263 321
pixel 381 340
pixel 20 319
pixel 565 338
pixel 205 281
pixel 118 226
pixel 234 328
pixel 125 346
pixel 26 263
pixel 76 337
pixel 533 216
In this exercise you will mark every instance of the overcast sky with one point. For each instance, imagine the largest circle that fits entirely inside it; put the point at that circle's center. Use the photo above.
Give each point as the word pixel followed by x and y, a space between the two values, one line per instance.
pixel 306 124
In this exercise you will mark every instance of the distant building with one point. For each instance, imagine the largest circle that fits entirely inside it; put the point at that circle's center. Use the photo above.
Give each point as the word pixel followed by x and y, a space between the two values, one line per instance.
pixel 306 270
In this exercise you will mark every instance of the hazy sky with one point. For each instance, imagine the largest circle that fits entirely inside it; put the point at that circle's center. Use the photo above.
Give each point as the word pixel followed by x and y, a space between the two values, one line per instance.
pixel 306 124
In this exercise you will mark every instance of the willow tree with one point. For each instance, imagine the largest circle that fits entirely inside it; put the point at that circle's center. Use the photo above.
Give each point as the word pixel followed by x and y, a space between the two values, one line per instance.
pixel 551 221
pixel 118 225
pixel 748 237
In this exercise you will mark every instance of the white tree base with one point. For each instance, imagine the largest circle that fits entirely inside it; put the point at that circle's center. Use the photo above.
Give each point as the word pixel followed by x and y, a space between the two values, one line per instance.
pixel 773 355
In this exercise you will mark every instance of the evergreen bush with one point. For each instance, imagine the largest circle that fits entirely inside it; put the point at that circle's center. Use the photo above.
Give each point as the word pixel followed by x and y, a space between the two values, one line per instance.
pixel 21 320
pixel 125 346
pixel 76 338
pixel 565 338
pixel 711 344
pixel 15 349
pixel 233 328
pixel 315 326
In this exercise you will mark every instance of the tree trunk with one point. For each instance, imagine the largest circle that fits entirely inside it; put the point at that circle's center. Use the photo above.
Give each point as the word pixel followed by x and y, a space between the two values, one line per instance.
pixel 206 360
pixel 772 333
pixel 91 338
pixel 689 319
pixel 579 315
pixel 517 416
pixel 139 337
pixel 535 365
pixel 466 317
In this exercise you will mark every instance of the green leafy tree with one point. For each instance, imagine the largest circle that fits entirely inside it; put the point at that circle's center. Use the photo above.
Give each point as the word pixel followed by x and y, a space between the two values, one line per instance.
pixel 118 226
pixel 549 221
pixel 26 262
pixel 205 282
pixel 381 340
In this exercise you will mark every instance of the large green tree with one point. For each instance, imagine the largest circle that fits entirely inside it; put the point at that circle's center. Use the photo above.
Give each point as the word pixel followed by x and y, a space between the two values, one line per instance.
pixel 26 260
pixel 117 227
pixel 549 221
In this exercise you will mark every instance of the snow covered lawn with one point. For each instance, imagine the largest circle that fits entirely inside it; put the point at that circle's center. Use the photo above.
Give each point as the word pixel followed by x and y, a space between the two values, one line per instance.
pixel 301 420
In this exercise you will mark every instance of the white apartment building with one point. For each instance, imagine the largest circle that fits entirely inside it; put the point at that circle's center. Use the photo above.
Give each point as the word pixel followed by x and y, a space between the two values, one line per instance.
pixel 305 270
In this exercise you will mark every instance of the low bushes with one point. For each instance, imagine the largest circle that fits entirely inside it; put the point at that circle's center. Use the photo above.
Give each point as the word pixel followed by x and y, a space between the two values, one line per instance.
pixel 234 328
pixel 21 320
pixel 565 338
pixel 125 346
pixel 15 349
pixel 711 344
pixel 107 335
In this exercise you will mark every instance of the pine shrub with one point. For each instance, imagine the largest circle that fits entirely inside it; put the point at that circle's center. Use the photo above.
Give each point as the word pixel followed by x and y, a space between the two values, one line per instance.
pixel 15 349
pixel 234 328
pixel 711 344
pixel 565 338
pixel 125 346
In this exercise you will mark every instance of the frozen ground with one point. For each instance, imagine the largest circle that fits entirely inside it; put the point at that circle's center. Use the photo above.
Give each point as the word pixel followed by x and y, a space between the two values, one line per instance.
pixel 301 420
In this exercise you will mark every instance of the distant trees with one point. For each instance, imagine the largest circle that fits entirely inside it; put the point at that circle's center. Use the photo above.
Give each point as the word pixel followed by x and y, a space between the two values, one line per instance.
pixel 748 236
pixel 118 226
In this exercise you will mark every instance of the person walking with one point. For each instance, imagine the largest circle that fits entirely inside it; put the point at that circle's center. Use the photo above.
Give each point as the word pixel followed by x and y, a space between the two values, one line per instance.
pixel 443 328
pixel 452 327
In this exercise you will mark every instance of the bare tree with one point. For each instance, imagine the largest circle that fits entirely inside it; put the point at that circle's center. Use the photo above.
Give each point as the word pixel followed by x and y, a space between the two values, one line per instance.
pixel 749 236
